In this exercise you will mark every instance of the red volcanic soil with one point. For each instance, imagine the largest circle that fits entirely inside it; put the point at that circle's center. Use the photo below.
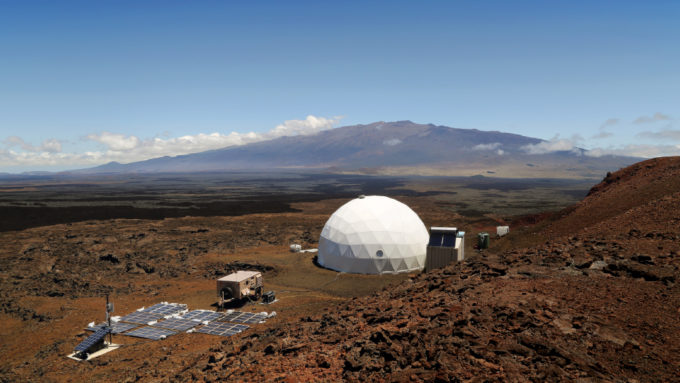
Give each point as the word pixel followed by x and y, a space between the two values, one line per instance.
pixel 589 294
pixel 621 191
pixel 598 300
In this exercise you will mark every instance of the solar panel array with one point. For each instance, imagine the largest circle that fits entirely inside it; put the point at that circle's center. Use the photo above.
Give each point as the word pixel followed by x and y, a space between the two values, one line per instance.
pixel 202 315
pixel 449 240
pixel 216 323
pixel 222 328
pixel 92 339
pixel 153 333
pixel 116 327
pixel 243 317
pixel 177 324
pixel 165 309
pixel 141 317
pixel 442 240
pixel 436 239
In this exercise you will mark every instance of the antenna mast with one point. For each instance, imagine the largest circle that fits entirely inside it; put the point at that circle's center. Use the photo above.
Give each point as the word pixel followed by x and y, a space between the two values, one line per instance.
pixel 109 310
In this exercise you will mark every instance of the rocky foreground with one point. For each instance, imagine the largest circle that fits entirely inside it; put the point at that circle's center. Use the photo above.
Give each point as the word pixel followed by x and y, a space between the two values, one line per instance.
pixel 594 297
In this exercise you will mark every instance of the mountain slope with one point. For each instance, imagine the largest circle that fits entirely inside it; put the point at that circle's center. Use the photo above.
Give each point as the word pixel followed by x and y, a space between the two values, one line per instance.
pixel 622 191
pixel 401 147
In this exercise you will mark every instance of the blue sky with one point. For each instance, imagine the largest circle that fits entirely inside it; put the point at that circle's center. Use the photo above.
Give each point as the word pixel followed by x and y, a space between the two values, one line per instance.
pixel 86 82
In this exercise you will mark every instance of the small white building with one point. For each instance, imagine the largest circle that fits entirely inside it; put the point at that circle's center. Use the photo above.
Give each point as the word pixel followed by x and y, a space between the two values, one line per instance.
pixel 447 244
pixel 502 230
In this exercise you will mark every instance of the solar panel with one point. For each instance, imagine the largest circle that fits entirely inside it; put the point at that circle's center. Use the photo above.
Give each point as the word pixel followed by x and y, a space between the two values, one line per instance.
pixel 436 239
pixel 92 339
pixel 177 324
pixel 449 240
pixel 141 317
pixel 165 308
pixel 202 315
pixel 116 327
pixel 153 333
pixel 222 328
pixel 243 317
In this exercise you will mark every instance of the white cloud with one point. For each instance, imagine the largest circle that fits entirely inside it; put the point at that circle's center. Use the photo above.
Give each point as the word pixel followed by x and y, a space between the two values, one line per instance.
pixel 491 146
pixel 555 144
pixel 51 146
pixel 665 135
pixel 603 133
pixel 310 125
pixel 13 141
pixel 644 151
pixel 392 142
pixel 116 141
pixel 130 148
pixel 656 117
pixel 609 122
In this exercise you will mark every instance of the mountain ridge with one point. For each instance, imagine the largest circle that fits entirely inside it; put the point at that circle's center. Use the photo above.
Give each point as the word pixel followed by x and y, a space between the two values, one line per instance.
pixel 389 148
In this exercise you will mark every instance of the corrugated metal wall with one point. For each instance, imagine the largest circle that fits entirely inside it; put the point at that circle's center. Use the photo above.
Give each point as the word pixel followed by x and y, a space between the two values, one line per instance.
pixel 439 257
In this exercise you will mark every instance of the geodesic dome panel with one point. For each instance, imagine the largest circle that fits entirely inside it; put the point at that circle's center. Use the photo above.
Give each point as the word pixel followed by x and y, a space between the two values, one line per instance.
pixel 373 235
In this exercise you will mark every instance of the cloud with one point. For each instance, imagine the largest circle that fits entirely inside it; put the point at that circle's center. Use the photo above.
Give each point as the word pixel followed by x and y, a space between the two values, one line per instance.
pixel 51 145
pixel 644 151
pixel 310 125
pixel 392 142
pixel 116 141
pixel 603 133
pixel 118 146
pixel 129 148
pixel 665 135
pixel 555 144
pixel 647 119
pixel 609 122
pixel 491 146
pixel 13 141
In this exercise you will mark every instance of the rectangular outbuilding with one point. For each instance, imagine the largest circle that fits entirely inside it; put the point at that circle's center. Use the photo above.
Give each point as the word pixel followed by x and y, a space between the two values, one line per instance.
pixel 502 230
pixel 447 244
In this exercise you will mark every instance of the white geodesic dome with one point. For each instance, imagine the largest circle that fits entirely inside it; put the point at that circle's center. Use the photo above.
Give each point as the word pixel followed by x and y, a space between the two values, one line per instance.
pixel 373 235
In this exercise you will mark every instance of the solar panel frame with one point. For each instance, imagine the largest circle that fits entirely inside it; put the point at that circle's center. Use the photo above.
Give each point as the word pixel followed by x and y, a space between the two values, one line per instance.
pixel 177 324
pixel 153 333
pixel 222 328
pixel 244 317
pixel 116 327
pixel 202 315
pixel 92 339
pixel 141 317
pixel 166 308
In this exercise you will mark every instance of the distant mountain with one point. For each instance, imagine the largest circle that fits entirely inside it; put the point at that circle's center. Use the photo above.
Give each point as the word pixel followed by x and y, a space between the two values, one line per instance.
pixel 401 147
